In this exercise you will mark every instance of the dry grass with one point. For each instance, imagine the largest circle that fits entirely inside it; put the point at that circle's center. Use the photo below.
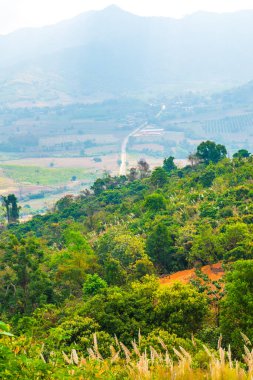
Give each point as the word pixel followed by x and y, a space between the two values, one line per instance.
pixel 152 365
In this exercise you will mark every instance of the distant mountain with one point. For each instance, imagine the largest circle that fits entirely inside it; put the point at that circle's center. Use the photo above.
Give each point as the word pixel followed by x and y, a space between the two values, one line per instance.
pixel 111 52
pixel 241 96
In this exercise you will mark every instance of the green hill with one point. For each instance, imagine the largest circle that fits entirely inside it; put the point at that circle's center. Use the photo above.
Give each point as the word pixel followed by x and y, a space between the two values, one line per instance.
pixel 92 266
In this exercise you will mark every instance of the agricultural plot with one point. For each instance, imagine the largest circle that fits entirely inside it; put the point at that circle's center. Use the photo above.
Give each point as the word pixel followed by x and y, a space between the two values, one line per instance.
pixel 38 186
pixel 50 151
pixel 40 182
pixel 228 125
pixel 152 147
pixel 43 176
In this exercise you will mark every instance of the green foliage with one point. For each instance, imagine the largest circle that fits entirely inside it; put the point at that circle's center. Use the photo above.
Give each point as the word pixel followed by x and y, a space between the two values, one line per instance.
pixel 24 285
pixel 144 306
pixel 181 309
pixel 93 285
pixel 210 152
pixel 159 177
pixel 72 263
pixel 160 248
pixel 5 329
pixel 169 165
pixel 236 242
pixel 207 177
pixel 10 204
pixel 90 266
pixel 242 153
pixel 121 254
pixel 70 333
pixel 155 202
pixel 208 210
pixel 206 247
pixel 237 305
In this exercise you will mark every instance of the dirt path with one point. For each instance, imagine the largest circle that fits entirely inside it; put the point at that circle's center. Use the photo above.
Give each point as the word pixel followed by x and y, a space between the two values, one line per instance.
pixel 215 272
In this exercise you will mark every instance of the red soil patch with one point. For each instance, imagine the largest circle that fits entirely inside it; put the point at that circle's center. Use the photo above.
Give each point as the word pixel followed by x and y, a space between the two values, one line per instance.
pixel 215 272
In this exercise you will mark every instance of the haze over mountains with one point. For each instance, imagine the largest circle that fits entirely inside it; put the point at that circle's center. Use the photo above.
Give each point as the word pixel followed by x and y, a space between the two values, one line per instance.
pixel 112 52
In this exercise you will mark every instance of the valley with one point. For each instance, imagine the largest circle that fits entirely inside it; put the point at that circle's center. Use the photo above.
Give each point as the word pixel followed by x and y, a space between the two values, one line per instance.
pixel 46 153
pixel 97 93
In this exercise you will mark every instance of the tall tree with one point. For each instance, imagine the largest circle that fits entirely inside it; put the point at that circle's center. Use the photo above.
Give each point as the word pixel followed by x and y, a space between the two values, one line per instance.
pixel 159 177
pixel 208 152
pixel 10 204
pixel 160 248
pixel 242 153
pixel 168 164
pixel 143 168
pixel 237 305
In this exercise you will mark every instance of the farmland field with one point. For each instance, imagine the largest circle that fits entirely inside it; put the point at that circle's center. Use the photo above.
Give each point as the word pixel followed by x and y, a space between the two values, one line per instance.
pixel 48 152
pixel 43 176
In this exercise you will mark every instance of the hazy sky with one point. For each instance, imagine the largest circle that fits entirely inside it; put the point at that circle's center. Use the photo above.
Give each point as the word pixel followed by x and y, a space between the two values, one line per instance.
pixel 15 14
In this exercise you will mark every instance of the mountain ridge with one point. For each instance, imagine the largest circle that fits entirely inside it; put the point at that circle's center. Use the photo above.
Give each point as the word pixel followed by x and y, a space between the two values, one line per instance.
pixel 113 51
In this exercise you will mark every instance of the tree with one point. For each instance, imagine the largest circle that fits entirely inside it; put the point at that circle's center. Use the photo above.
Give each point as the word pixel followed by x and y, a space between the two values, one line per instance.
pixel 235 234
pixel 205 248
pixel 121 255
pixel 24 285
pixel 168 164
pixel 160 247
pixel 76 331
pixel 143 168
pixel 242 153
pixel 155 202
pixel 194 160
pixel 10 204
pixel 237 242
pixel 133 174
pixel 208 152
pixel 93 285
pixel 207 177
pixel 237 305
pixel 181 309
pixel 98 186
pixel 73 263
pixel 123 312
pixel 159 177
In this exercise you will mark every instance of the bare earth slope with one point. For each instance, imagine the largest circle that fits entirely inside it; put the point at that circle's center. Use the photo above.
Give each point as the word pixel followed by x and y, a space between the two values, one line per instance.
pixel 215 272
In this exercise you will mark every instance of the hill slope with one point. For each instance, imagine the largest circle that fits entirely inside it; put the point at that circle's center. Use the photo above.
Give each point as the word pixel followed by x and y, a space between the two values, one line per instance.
pixel 89 270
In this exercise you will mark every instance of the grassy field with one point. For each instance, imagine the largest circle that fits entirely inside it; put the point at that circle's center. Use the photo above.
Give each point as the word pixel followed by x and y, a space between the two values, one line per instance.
pixel 40 182
pixel 98 139
pixel 86 163
pixel 43 176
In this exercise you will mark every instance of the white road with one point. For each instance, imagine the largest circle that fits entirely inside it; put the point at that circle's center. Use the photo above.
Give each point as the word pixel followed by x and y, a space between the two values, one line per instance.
pixel 123 166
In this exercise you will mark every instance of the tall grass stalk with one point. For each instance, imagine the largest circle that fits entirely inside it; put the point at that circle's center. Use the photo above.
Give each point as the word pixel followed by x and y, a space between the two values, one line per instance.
pixel 150 364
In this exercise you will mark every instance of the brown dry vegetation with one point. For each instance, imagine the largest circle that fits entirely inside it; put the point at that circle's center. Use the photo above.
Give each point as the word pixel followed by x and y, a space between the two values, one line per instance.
pixel 151 364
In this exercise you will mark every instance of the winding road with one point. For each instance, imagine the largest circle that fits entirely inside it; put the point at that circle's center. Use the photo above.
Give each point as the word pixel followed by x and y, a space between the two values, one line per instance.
pixel 123 166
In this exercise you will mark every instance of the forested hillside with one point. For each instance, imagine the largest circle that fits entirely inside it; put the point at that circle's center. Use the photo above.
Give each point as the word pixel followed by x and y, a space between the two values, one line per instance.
pixel 80 286
pixel 108 53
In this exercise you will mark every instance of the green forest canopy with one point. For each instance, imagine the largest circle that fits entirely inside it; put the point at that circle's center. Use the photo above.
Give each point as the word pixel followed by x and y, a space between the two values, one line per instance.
pixel 92 265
